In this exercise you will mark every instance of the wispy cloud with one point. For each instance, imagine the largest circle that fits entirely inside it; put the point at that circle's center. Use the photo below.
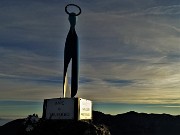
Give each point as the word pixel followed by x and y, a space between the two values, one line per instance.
pixel 164 10
pixel 129 50
pixel 172 106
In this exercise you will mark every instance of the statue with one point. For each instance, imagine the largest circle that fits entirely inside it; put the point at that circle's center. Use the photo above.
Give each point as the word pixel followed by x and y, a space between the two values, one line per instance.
pixel 69 107
pixel 71 52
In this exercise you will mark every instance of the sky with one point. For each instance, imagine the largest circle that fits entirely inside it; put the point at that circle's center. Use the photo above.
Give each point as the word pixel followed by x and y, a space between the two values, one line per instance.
pixel 129 54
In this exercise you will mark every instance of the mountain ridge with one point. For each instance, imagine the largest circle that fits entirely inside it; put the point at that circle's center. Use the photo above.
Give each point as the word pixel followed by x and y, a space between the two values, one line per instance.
pixel 121 124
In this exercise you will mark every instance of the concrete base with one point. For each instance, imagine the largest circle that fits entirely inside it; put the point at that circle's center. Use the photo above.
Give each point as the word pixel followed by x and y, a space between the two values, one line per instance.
pixel 67 109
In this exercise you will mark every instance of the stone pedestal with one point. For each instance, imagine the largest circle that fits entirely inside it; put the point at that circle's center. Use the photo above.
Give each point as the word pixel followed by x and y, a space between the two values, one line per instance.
pixel 67 109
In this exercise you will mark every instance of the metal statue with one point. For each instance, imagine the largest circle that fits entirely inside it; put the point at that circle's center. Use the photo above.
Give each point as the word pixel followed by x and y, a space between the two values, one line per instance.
pixel 71 53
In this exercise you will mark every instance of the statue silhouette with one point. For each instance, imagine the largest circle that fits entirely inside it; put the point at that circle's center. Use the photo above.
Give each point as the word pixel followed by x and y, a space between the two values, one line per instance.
pixel 71 52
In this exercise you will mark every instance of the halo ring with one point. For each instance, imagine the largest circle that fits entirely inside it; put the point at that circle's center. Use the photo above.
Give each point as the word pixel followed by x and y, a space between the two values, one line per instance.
pixel 66 9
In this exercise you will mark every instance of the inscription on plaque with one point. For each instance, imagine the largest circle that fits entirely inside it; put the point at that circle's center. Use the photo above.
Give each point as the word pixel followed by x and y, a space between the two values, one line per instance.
pixel 60 109
pixel 68 109
pixel 85 109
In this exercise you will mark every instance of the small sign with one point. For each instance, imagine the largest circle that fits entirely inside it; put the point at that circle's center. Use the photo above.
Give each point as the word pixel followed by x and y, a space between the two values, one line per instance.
pixel 85 111
pixel 61 108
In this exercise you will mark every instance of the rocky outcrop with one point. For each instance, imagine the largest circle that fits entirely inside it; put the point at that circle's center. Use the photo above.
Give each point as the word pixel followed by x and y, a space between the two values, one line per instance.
pixel 52 127
pixel 49 127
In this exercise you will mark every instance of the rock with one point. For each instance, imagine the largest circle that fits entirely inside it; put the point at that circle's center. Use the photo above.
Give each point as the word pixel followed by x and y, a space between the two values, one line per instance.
pixel 58 127
pixel 70 128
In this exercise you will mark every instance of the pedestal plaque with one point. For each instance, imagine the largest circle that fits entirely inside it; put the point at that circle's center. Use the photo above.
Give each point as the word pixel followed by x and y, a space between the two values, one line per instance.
pixel 67 109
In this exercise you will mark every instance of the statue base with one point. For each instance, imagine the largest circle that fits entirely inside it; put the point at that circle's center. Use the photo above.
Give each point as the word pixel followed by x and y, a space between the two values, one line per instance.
pixel 67 109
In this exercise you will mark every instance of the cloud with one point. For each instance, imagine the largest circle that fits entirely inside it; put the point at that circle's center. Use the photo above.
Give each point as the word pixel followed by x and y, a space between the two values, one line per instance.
pixel 19 90
pixel 33 26
pixel 20 108
pixel 128 49
pixel 24 62
pixel 119 83
pixel 164 10
pixel 172 106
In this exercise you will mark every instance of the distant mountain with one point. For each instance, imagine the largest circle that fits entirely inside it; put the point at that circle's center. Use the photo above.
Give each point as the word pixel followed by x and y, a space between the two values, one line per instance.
pixel 131 123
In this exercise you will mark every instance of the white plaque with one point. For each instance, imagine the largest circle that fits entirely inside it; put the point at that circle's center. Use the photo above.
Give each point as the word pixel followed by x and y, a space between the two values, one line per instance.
pixel 67 109
pixel 85 111
pixel 62 108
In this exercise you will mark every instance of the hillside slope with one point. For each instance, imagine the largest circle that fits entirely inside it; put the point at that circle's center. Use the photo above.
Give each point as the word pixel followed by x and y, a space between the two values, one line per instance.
pixel 130 123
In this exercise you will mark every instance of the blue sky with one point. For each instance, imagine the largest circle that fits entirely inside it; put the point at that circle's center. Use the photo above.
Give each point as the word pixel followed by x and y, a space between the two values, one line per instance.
pixel 129 53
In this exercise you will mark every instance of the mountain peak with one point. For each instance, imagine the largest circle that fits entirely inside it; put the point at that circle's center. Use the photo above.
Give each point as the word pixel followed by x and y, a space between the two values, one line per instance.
pixel 128 123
